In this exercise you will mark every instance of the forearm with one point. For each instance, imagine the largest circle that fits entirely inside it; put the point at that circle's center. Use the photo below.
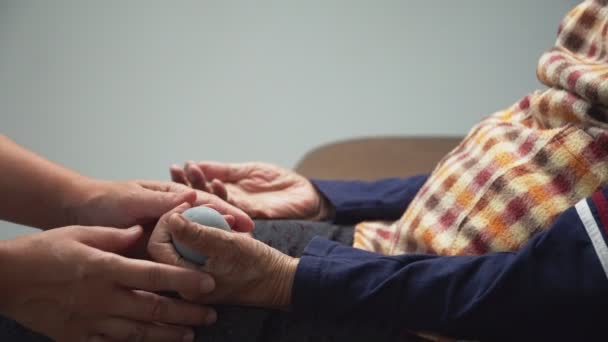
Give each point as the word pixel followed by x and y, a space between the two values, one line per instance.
pixel 35 191
pixel 12 276
pixel 556 280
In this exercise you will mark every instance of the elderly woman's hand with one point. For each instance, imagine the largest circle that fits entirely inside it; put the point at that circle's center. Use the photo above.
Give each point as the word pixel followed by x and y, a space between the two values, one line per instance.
pixel 262 190
pixel 246 271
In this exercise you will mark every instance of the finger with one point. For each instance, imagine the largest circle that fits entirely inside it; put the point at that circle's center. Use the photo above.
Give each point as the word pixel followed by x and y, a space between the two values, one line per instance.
pixel 156 203
pixel 196 177
pixel 160 247
pixel 226 172
pixel 212 206
pixel 153 276
pixel 178 175
pixel 163 186
pixel 109 239
pixel 120 329
pixel 208 241
pixel 151 307
pixel 160 234
pixel 230 220
pixel 166 253
pixel 219 189
pixel 243 223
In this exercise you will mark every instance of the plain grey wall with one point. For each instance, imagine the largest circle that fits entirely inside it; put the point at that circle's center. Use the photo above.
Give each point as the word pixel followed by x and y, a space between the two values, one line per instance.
pixel 122 89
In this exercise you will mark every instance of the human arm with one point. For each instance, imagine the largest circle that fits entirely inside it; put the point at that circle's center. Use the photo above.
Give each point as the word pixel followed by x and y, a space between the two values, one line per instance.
pixel 72 285
pixel 556 280
pixel 37 192
pixel 354 201
pixel 546 291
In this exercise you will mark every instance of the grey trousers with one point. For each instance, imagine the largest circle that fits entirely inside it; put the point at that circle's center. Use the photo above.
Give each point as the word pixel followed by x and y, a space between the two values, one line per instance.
pixel 252 324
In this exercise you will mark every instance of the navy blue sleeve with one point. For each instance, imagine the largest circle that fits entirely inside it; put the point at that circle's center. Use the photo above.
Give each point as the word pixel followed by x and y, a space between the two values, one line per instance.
pixel 355 201
pixel 556 287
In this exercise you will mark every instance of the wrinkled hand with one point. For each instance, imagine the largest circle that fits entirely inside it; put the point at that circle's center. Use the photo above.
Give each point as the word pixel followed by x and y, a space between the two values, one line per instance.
pixel 68 284
pixel 261 190
pixel 246 271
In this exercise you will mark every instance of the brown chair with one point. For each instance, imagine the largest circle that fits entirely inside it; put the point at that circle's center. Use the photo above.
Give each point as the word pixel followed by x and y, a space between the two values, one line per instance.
pixel 375 157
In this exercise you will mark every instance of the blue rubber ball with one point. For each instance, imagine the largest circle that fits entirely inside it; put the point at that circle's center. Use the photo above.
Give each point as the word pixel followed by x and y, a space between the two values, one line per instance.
pixel 207 217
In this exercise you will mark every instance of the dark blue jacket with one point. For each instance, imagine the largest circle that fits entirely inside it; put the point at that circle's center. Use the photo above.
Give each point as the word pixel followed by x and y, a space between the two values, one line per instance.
pixel 554 288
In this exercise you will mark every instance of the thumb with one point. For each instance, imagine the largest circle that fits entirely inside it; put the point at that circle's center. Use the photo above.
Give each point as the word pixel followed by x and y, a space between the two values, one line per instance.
pixel 110 239
pixel 209 241
pixel 157 203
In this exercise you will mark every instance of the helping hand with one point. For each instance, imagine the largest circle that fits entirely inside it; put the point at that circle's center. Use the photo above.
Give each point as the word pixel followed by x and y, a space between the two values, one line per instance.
pixel 67 283
pixel 123 204
pixel 261 190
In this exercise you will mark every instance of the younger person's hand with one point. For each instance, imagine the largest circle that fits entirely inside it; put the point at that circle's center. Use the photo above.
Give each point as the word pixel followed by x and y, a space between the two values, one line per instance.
pixel 123 204
pixel 68 284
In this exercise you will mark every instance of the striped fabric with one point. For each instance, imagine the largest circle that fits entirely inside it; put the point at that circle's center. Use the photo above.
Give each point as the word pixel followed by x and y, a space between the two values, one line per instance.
pixel 518 169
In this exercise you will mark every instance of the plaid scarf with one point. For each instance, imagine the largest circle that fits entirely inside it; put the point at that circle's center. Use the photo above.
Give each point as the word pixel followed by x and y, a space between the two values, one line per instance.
pixel 518 169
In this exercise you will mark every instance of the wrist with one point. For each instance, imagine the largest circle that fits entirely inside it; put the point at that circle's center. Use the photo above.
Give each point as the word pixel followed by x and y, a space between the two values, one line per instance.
pixel 79 197
pixel 285 276
pixel 9 287
pixel 326 210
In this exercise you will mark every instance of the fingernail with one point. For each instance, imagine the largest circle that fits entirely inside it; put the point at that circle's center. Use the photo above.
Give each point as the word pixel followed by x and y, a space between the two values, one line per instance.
pixel 192 175
pixel 189 336
pixel 207 285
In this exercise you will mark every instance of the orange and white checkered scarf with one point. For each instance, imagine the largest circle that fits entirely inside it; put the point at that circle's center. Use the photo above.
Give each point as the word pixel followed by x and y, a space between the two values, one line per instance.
pixel 518 169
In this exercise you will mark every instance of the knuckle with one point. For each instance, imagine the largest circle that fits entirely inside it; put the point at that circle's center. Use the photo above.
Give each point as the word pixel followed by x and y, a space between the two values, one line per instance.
pixel 229 239
pixel 100 263
pixel 158 308
pixel 256 210
pixel 154 276
pixel 164 224
pixel 167 221
pixel 227 245
pixel 197 233
pixel 72 230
